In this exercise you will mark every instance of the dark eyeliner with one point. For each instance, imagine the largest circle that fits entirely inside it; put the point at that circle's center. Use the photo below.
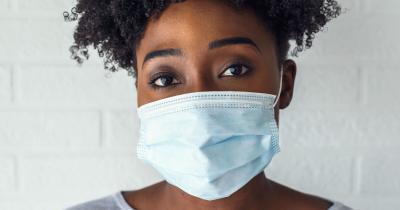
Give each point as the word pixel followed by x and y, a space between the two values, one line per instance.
pixel 238 62
pixel 158 75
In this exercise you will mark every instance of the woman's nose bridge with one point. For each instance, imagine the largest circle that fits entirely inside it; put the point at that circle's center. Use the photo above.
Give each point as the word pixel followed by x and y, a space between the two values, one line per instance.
pixel 203 83
pixel 202 80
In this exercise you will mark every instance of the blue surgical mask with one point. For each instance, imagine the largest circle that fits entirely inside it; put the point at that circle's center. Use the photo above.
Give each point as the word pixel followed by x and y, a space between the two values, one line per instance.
pixel 211 143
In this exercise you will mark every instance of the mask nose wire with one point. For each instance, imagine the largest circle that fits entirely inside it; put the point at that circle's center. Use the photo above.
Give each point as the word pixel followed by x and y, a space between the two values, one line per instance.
pixel 280 88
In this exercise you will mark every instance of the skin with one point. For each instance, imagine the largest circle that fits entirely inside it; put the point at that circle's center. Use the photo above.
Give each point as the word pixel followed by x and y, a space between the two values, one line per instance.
pixel 191 26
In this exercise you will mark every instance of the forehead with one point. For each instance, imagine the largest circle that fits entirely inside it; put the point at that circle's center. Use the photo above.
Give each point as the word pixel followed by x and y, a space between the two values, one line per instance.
pixel 193 24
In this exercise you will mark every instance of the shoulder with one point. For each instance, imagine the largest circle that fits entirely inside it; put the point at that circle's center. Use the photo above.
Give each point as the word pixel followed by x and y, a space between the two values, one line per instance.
pixel 103 203
pixel 122 200
pixel 301 200
pixel 145 198
pixel 339 206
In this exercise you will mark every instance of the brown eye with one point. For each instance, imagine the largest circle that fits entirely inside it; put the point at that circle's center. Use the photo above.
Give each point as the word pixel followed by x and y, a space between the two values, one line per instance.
pixel 163 80
pixel 236 70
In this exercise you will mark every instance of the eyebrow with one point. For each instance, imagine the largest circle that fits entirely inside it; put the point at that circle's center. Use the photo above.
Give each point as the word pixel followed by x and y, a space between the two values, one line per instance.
pixel 212 45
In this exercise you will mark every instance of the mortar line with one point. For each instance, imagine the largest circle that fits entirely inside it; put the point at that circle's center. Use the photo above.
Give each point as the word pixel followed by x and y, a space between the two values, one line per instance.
pixel 102 129
pixel 357 175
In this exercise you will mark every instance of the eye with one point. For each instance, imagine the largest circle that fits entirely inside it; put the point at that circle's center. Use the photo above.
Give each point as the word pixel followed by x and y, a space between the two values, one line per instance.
pixel 163 80
pixel 236 70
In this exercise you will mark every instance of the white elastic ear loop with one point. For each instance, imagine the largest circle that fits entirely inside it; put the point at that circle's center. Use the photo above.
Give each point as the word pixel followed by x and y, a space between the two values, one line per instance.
pixel 280 89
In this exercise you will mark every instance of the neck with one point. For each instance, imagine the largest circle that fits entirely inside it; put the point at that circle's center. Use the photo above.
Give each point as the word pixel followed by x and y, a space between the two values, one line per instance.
pixel 250 196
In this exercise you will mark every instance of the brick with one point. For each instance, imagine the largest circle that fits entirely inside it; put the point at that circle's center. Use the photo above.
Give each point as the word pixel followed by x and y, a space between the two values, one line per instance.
pixel 320 86
pixel 345 130
pixel 386 7
pixel 381 85
pixel 122 128
pixel 85 174
pixel 75 87
pixel 33 40
pixel 5 86
pixel 319 129
pixel 43 9
pixel 5 5
pixel 319 172
pixel 7 175
pixel 350 5
pixel 31 205
pixel 380 173
pixel 25 129
pixel 379 129
pixel 374 202
pixel 358 122
pixel 45 5
pixel 356 37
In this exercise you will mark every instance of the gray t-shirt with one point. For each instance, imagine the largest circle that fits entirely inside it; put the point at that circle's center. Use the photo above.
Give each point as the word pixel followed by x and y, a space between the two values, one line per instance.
pixel 117 202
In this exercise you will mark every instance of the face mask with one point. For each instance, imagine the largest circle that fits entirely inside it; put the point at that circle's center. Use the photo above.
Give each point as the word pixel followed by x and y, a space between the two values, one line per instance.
pixel 210 143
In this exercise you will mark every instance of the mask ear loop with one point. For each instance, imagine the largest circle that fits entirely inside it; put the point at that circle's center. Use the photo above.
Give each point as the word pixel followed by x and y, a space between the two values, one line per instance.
pixel 280 88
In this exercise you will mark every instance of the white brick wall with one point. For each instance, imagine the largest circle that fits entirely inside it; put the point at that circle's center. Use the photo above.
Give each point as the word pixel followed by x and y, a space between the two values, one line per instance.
pixel 68 134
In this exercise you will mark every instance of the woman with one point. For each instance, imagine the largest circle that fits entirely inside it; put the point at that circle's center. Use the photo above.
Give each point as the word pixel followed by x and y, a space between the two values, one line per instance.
pixel 211 77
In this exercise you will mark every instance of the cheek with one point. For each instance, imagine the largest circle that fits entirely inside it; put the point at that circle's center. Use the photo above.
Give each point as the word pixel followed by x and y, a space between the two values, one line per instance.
pixel 141 94
pixel 261 81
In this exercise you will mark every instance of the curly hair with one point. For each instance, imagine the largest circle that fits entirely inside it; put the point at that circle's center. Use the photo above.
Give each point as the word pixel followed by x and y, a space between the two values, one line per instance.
pixel 114 27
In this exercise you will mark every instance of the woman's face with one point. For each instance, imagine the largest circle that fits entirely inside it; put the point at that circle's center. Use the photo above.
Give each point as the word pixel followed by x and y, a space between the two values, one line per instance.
pixel 198 59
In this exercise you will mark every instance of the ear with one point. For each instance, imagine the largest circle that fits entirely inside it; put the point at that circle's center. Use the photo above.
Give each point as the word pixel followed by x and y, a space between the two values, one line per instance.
pixel 136 83
pixel 288 77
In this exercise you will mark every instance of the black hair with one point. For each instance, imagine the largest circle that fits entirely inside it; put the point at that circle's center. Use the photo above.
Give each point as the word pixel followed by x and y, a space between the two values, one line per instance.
pixel 114 27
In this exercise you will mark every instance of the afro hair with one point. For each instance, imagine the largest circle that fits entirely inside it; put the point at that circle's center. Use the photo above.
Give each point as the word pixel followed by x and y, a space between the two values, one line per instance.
pixel 114 27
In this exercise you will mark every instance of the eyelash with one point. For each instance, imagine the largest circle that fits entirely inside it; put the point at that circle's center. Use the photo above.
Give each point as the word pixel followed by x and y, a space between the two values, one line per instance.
pixel 159 75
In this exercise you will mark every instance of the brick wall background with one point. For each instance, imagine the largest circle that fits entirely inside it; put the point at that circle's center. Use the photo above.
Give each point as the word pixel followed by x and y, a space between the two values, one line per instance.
pixel 68 133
